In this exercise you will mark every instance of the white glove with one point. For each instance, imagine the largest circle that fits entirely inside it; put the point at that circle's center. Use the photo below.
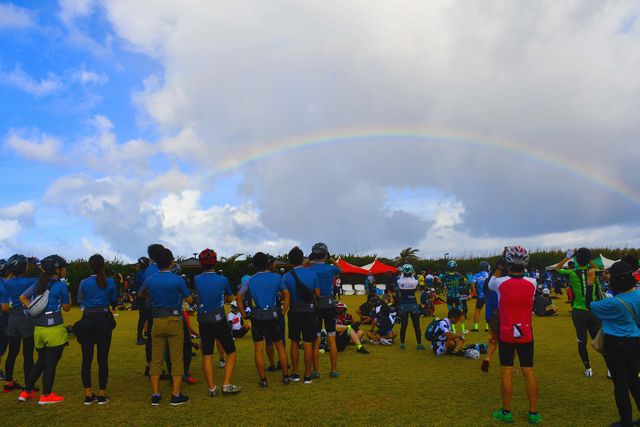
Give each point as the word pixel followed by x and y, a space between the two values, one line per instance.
pixel 570 253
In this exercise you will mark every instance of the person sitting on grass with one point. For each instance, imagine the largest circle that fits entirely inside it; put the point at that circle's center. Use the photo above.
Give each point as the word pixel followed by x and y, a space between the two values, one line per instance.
pixel 239 327
pixel 382 319
pixel 364 311
pixel 543 306
pixel 347 331
pixel 447 341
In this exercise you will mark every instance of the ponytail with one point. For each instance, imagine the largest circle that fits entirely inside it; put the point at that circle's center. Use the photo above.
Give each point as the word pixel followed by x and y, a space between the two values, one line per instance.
pixel 43 281
pixel 96 264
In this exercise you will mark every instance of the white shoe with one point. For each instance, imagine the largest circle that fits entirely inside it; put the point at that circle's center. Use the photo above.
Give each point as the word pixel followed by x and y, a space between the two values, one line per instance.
pixel 588 372
pixel 222 363
pixel 385 341
pixel 608 373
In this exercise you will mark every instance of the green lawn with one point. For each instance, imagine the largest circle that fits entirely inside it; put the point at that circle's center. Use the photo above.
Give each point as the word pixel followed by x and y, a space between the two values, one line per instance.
pixel 386 387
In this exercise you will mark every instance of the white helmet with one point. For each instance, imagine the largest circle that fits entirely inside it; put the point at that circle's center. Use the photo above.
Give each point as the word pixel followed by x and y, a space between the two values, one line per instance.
pixel 471 353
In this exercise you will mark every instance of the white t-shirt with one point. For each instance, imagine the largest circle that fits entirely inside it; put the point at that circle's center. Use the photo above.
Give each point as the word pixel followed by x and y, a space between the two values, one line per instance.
pixel 236 321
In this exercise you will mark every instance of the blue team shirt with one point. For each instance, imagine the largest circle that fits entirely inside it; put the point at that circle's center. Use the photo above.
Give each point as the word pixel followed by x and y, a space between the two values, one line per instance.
pixel 150 271
pixel 212 289
pixel 616 318
pixel 478 280
pixel 491 300
pixel 91 295
pixel 167 290
pixel 15 287
pixel 326 273
pixel 58 294
pixel 138 280
pixel 308 278
pixel 3 294
pixel 264 287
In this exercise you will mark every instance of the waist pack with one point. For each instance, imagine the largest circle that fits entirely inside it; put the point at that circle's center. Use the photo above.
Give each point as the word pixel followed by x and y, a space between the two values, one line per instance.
pixel 268 313
pixel 303 307
pixel 50 318
pixel 212 316
pixel 325 302
pixel 39 303
pixel 164 312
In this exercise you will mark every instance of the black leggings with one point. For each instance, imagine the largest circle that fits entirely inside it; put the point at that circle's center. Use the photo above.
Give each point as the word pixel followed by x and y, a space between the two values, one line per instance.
pixel 147 345
pixel 27 356
pixel 622 355
pixel 4 340
pixel 48 359
pixel 142 317
pixel 99 335
pixel 415 319
pixel 584 322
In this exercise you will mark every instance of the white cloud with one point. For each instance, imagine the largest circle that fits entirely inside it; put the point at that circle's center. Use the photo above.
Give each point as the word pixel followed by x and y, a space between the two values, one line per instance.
pixel 13 17
pixel 14 218
pixel 39 146
pixel 73 9
pixel 87 77
pixel 21 80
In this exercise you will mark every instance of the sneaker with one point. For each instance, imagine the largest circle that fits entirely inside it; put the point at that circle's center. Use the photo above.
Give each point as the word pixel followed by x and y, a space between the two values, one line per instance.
pixel 485 366
pixel 501 416
pixel 103 400
pixel 535 418
pixel 362 350
pixel 231 389
pixel 146 371
pixel 285 380
pixel 295 378
pixel 374 342
pixel 222 363
pixel 334 374
pixel 50 399
pixel 140 341
pixel 189 379
pixel 179 399
pixel 474 330
pixel 315 375
pixel 421 347
pixel 608 374
pixel 155 399
pixel 213 392
pixel 26 395
pixel 386 341
pixel 307 380
pixel 263 383
pixel 402 346
pixel 272 368
pixel 588 373
pixel 9 387
pixel 90 400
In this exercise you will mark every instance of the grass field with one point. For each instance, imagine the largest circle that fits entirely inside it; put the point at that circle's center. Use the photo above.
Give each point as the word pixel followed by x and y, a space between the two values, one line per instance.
pixel 386 387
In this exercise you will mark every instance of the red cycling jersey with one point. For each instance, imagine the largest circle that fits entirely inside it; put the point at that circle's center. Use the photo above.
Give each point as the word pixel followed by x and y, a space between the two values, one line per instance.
pixel 515 304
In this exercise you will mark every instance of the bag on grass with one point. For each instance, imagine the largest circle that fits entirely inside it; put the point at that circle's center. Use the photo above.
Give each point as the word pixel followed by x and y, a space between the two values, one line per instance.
pixel 430 332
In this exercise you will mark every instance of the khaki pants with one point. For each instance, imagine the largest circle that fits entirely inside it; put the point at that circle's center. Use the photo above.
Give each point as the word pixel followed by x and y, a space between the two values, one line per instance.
pixel 167 331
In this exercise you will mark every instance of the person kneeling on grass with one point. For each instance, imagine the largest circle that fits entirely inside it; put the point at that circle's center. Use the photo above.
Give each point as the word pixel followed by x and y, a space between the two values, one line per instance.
pixel 214 290
pixel 347 331
pixel 446 341
pixel 382 319
pixel 543 306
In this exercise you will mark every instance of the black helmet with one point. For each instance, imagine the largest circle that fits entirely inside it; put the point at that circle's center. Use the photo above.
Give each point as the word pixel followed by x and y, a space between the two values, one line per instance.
pixel 17 264
pixel 143 260
pixel 52 262
pixel 320 250
pixel 3 266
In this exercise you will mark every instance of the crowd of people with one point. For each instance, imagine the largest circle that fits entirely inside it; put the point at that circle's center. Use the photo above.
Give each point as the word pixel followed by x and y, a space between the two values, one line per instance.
pixel 304 303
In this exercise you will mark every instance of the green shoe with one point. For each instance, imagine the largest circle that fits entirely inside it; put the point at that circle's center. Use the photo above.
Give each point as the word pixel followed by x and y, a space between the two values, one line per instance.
pixel 501 416
pixel 421 347
pixel 535 418
pixel 402 347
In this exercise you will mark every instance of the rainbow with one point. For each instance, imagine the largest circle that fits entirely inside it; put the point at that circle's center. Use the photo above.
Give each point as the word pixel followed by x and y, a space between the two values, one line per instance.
pixel 349 136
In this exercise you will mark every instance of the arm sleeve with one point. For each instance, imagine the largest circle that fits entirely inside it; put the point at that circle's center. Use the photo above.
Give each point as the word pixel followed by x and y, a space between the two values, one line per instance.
pixel 80 297
pixel 64 294
pixel 605 309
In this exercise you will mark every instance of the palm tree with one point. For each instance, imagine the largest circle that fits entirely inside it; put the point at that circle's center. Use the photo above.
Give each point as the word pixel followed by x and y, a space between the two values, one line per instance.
pixel 232 259
pixel 407 255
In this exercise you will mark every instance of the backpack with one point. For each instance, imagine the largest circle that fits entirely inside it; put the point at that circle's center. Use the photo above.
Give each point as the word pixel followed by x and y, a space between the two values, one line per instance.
pixel 430 332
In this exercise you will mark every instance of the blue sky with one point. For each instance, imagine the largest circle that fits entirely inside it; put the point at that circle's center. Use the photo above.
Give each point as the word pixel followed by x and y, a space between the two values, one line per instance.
pixel 116 115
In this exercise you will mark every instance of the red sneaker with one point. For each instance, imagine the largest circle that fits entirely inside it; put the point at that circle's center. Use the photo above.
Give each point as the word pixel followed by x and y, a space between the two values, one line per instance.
pixel 190 380
pixel 50 399
pixel 26 395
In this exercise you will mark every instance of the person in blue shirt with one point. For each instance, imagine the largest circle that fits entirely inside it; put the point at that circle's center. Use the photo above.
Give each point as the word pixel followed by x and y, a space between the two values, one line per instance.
pixel 50 335
pixel 95 294
pixel 166 291
pixel 265 287
pixel 3 317
pixel 153 251
pixel 138 281
pixel 620 322
pixel 477 282
pixel 303 285
pixel 20 328
pixel 213 291
pixel 326 268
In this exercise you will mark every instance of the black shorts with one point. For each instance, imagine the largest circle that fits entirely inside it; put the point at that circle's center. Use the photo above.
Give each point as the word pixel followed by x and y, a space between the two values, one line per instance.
pixel 328 316
pixel 268 330
pixel 212 331
pixel 342 340
pixel 302 324
pixel 507 350
pixel 480 303
pixel 239 333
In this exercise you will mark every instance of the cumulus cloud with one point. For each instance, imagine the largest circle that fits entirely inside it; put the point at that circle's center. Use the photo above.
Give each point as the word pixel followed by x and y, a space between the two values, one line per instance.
pixel 14 218
pixel 87 77
pixel 13 17
pixel 34 146
pixel 38 87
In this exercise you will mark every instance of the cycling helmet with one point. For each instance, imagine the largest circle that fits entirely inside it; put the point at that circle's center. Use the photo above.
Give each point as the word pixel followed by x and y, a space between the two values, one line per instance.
pixel 407 268
pixel 17 264
pixel 516 255
pixel 234 305
pixel 208 258
pixel 143 260
pixel 320 250
pixel 51 263
pixel 471 353
pixel 340 306
pixel 3 267
pixel 484 266
pixel 452 264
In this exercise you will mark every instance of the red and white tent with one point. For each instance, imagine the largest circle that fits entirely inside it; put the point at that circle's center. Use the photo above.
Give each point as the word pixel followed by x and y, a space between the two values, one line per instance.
pixel 350 268
pixel 378 267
